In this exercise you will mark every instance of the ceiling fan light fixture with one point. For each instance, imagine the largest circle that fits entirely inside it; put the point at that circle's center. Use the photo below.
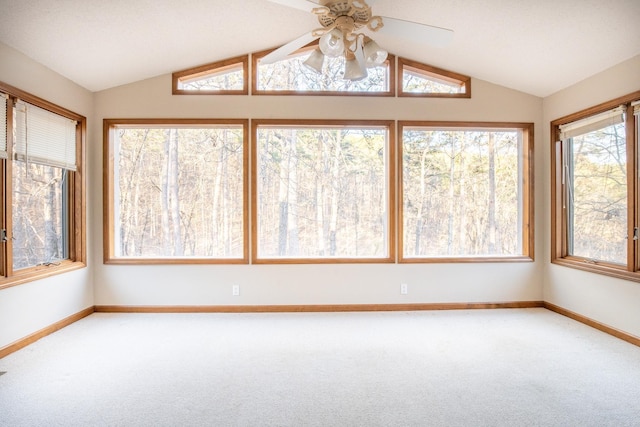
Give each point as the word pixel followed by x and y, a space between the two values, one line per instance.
pixel 332 43
pixel 353 71
pixel 341 22
pixel 374 54
pixel 314 61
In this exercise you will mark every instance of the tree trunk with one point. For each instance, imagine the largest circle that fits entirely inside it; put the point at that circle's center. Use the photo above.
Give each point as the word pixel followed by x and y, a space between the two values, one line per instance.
pixel 423 191
pixel 50 234
pixel 333 222
pixel 292 198
pixel 226 215
pixel 452 205
pixel 463 245
pixel 492 194
pixel 164 197
pixel 283 193
pixel 174 196
pixel 216 216
pixel 319 189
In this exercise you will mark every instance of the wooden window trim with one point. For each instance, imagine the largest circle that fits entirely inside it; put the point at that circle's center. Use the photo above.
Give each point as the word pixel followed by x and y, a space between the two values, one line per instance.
pixel 395 67
pixel 203 70
pixel 77 200
pixel 390 179
pixel 435 74
pixel 255 59
pixel 528 217
pixel 559 252
pixel 109 126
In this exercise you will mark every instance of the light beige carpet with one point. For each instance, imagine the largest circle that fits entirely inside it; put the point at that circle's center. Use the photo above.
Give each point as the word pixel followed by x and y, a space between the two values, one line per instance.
pixel 519 367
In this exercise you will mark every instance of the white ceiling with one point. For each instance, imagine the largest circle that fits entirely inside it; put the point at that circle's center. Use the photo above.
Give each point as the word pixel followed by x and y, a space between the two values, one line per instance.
pixel 535 46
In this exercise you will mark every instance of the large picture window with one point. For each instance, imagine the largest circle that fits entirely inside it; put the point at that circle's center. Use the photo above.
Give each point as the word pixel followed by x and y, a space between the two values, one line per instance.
pixel 322 191
pixel 177 191
pixel 42 151
pixel 595 201
pixel 466 191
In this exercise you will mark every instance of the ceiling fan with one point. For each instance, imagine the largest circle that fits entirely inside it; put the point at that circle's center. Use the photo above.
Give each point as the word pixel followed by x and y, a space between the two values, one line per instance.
pixel 346 29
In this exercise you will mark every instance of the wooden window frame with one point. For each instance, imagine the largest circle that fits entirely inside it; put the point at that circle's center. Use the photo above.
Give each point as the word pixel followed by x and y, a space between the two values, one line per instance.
pixel 435 74
pixel 76 195
pixel 395 67
pixel 559 232
pixel 527 181
pixel 255 59
pixel 390 182
pixel 213 67
pixel 109 126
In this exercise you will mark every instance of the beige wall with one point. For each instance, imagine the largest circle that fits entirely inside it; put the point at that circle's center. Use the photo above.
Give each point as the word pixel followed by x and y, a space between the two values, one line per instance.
pixel 311 284
pixel 613 302
pixel 30 307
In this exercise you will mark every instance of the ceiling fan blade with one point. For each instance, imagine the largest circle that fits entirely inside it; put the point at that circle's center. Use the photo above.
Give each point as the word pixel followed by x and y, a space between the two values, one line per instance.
pixel 305 5
pixel 435 36
pixel 282 52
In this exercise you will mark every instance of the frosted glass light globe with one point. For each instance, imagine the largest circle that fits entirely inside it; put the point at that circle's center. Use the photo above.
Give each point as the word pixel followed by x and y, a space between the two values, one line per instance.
pixel 332 43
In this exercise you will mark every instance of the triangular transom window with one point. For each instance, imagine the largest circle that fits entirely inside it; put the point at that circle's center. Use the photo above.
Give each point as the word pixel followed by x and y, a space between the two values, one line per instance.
pixel 223 78
pixel 418 79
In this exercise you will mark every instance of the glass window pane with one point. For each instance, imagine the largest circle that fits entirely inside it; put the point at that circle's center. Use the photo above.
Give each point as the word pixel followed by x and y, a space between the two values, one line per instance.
pixel 179 192
pixel 597 195
pixel 230 78
pixel 292 75
pixel 416 82
pixel 461 192
pixel 39 215
pixel 420 79
pixel 322 192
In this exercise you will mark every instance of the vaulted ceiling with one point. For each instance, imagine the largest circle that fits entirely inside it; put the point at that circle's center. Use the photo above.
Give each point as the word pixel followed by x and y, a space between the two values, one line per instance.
pixel 535 46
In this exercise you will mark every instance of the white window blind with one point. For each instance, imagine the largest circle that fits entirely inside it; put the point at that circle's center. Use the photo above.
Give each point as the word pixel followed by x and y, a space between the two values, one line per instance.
pixel 636 107
pixel 592 123
pixel 44 137
pixel 3 126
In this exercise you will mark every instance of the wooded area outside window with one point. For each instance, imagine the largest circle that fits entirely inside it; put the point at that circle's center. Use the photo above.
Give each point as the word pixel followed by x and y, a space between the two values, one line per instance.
pixel 595 203
pixel 176 191
pixel 43 221
pixel 466 192
pixel 323 191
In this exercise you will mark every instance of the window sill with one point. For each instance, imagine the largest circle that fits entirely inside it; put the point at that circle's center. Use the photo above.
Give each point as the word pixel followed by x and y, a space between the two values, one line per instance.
pixel 174 261
pixel 598 268
pixel 39 272
pixel 471 259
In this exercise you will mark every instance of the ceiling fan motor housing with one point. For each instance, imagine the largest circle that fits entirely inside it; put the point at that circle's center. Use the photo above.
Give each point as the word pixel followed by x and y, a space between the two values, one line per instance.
pixel 345 8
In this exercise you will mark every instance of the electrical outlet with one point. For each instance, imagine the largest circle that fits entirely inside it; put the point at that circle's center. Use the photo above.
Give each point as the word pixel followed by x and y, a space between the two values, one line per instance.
pixel 404 288
pixel 235 290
